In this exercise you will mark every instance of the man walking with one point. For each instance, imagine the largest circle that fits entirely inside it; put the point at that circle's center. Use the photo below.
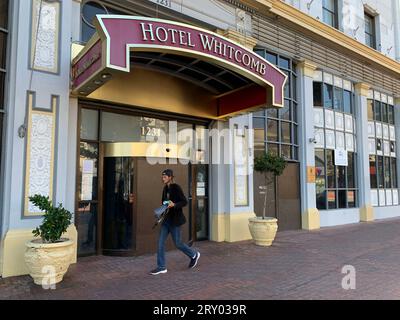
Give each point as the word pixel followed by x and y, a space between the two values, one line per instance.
pixel 173 194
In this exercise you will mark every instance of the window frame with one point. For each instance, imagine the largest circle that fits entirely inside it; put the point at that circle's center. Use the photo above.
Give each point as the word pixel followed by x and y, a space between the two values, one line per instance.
pixel 333 13
pixel 372 33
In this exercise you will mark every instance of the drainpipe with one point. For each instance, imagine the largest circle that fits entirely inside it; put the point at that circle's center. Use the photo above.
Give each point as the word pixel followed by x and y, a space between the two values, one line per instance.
pixel 396 22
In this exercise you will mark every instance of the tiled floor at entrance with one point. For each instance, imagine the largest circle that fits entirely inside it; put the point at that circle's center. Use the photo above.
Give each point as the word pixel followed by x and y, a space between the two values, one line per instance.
pixel 299 265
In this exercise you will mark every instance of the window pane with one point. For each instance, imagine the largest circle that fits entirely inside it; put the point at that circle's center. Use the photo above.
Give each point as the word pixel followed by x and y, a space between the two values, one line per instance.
pixel 321 200
pixel 294 87
pixel 330 169
pixel 380 172
pixel 331 199
pixel 260 113
pixel 342 199
pixel 285 127
pixel 295 130
pixel 86 223
pixel 391 114
pixel 338 97
pixel 350 171
pixel 317 93
pixel 87 188
pixel 373 172
pixel 379 144
pixel 285 111
pixel 273 148
pixel 4 14
pixel 286 151
pixel 377 111
pixel 272 130
pixel 328 18
pixel 295 153
pixel 272 113
pixel 394 173
pixel 370 109
pixel 384 112
pixel 341 174
pixel 388 182
pixel 328 96
pixel 286 89
pixel 347 107
pixel 89 124
pixel 272 58
pixel 294 111
pixel 259 129
pixel 2 83
pixel 329 4
pixel 3 49
pixel 1 134
pixel 320 178
pixel 284 63
pixel 351 199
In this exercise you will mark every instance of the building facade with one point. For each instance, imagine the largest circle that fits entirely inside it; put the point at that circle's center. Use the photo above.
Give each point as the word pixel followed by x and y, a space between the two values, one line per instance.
pixel 93 90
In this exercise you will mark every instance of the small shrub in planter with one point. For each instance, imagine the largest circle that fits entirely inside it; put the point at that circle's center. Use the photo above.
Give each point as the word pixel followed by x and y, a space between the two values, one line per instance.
pixel 49 257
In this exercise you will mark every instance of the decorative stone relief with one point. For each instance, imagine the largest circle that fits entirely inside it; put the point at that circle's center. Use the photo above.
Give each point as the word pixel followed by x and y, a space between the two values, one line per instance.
pixel 39 163
pixel 45 35
pixel 40 157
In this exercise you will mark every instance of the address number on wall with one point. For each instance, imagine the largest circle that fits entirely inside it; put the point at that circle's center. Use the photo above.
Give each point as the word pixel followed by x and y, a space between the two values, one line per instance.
pixel 150 132
pixel 165 3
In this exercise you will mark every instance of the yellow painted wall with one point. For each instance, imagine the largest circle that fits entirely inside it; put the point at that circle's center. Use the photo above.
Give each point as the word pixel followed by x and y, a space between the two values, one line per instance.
pixel 231 227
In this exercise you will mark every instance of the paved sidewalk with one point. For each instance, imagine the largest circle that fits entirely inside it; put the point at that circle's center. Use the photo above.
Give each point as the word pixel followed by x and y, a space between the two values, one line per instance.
pixel 299 265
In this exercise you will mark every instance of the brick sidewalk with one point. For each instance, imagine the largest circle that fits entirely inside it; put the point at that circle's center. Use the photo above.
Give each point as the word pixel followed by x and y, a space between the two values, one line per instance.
pixel 299 265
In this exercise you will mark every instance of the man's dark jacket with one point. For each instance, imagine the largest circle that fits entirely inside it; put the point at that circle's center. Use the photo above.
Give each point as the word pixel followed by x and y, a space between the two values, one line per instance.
pixel 174 193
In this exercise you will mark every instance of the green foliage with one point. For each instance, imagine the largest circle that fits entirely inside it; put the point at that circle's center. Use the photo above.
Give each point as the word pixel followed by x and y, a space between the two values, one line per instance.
pixel 270 162
pixel 56 219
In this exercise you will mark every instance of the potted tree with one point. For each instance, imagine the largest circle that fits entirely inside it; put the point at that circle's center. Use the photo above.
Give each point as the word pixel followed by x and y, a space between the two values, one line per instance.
pixel 263 229
pixel 49 257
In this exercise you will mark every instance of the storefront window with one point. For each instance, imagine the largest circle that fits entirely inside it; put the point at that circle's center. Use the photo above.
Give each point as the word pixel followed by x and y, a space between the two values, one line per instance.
pixel 334 130
pixel 382 150
pixel 279 126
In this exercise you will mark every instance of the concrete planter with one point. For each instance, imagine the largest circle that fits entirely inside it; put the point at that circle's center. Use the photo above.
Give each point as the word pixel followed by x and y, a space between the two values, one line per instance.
pixel 262 230
pixel 48 262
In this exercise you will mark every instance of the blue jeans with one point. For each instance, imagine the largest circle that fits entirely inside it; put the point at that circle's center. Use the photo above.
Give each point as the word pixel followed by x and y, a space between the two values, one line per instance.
pixel 175 231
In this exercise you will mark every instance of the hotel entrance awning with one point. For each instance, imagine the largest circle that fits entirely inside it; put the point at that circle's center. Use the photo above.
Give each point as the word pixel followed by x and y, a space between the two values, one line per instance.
pixel 236 78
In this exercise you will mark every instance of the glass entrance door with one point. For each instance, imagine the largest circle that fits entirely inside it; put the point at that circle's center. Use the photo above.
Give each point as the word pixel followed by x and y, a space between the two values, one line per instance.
pixel 118 206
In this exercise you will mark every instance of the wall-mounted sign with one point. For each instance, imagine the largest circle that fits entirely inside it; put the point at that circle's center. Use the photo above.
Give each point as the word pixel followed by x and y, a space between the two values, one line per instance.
pixel 310 174
pixel 341 157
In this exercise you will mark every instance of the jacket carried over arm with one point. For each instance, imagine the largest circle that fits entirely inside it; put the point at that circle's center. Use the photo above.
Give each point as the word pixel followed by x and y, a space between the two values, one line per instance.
pixel 174 193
